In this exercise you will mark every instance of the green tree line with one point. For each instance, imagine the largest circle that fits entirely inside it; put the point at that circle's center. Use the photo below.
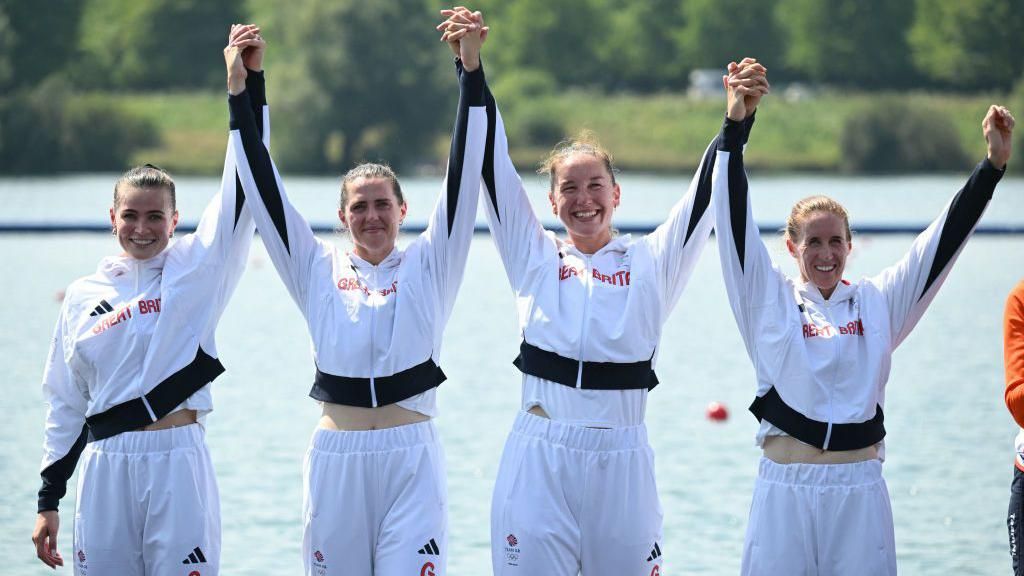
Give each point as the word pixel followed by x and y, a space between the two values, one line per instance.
pixel 354 80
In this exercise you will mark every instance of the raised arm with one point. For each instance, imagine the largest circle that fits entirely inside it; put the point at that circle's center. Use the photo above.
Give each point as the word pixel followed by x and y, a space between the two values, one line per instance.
pixel 912 283
pixel 63 442
pixel 750 278
pixel 516 231
pixel 287 236
pixel 450 229
pixel 679 241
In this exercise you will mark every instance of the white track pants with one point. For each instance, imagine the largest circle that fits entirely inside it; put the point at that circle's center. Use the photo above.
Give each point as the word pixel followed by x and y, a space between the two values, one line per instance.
pixel 148 506
pixel 820 520
pixel 375 503
pixel 570 499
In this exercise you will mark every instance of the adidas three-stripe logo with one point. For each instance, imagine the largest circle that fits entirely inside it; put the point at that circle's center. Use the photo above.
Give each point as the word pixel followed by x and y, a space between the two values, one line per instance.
pixel 430 548
pixel 102 309
pixel 195 557
pixel 655 553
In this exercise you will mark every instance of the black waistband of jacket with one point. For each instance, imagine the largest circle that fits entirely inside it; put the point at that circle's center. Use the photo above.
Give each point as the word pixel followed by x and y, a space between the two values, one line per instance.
pixel 596 375
pixel 388 389
pixel 853 436
pixel 163 398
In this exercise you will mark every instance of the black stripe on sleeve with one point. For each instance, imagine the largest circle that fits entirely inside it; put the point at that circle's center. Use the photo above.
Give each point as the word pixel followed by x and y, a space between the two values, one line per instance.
pixel 244 120
pixel 702 198
pixel 731 140
pixel 471 93
pixel 488 166
pixel 255 85
pixel 239 199
pixel 964 213
pixel 56 475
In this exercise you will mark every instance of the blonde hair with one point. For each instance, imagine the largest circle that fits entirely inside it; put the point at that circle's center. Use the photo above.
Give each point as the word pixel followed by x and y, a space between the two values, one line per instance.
pixel 145 177
pixel 584 143
pixel 804 208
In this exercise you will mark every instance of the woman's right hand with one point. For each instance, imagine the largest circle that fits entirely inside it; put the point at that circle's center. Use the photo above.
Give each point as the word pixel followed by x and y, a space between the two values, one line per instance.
pixel 745 84
pixel 45 538
pixel 465 33
pixel 998 130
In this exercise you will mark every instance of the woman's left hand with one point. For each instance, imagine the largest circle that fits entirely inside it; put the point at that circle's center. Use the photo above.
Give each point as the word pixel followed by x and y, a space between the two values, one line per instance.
pixel 998 130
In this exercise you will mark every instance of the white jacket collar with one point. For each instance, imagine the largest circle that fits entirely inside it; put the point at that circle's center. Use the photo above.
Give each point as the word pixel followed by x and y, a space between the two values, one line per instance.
pixel 844 291
pixel 121 264
pixel 616 244
pixel 392 260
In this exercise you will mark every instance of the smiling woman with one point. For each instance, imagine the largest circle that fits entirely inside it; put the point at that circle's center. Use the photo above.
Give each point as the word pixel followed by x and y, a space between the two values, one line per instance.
pixel 822 349
pixel 818 236
pixel 127 384
pixel 143 216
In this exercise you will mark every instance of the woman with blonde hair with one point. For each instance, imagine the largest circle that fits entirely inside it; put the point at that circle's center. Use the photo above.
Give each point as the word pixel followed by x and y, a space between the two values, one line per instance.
pixel 821 348
pixel 127 379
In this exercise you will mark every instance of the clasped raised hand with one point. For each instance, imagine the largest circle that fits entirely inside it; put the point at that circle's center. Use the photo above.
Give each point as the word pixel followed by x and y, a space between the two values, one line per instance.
pixel 745 84
pixel 465 33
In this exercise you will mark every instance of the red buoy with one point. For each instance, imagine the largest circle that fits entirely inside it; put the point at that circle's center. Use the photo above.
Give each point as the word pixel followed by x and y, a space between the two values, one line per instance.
pixel 717 412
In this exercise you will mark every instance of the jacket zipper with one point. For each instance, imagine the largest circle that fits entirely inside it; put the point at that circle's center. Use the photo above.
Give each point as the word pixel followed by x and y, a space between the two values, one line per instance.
pixel 142 393
pixel 588 287
pixel 835 373
pixel 373 334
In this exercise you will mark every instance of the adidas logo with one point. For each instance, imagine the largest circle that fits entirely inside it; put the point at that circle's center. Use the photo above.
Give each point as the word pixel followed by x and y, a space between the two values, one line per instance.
pixel 195 557
pixel 102 309
pixel 430 548
pixel 655 554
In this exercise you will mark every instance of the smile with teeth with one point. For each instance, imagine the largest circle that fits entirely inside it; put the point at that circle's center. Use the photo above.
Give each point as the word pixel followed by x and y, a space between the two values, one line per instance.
pixel 825 268
pixel 585 215
pixel 142 241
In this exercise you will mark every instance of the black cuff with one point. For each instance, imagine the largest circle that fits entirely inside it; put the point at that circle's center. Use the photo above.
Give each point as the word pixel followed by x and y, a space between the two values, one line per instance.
pixel 472 85
pixel 47 503
pixel 732 136
pixel 989 170
pixel 239 106
pixel 256 86
pixel 748 124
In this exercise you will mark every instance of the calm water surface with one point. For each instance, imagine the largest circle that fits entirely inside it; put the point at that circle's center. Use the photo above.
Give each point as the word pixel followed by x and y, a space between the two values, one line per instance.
pixel 949 446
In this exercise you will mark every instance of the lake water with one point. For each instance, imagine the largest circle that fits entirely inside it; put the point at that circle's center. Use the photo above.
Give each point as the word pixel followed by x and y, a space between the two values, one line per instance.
pixel 949 446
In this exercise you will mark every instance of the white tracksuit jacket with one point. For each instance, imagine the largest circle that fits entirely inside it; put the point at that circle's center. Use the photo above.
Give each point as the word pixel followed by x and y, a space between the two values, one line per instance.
pixel 591 322
pixel 376 330
pixel 142 329
pixel 822 365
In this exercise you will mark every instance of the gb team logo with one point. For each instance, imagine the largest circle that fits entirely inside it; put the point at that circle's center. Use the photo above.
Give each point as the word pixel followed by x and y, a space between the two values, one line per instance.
pixel 512 551
pixel 319 564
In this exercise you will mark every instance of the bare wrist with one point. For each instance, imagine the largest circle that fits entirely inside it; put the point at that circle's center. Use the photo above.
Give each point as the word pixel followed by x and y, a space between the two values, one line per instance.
pixel 236 85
